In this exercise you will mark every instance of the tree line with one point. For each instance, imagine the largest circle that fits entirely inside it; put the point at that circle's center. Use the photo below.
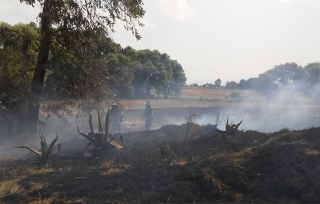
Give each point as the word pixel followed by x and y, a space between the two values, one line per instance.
pixel 70 44
pixel 96 69
pixel 288 78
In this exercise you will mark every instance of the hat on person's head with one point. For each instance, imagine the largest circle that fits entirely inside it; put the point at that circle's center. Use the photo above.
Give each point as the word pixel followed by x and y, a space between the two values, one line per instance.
pixel 147 102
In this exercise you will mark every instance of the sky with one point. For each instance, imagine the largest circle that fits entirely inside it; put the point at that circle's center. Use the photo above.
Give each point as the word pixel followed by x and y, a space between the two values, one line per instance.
pixel 211 39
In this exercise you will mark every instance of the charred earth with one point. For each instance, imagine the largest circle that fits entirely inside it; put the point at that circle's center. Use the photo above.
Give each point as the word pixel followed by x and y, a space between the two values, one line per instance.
pixel 246 167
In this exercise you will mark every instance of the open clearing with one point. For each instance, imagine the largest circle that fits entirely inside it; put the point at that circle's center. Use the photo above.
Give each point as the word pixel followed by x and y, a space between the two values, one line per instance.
pixel 282 166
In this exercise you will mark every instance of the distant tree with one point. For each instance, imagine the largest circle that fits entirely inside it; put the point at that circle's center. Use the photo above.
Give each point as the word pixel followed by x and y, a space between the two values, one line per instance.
pixel 121 71
pixel 168 89
pixel 311 89
pixel 178 79
pixel 217 83
pixel 237 97
pixel 313 70
pixel 158 81
pixel 285 74
pixel 287 77
pixel 252 83
pixel 142 75
pixel 194 85
pixel 243 84
pixel 231 85
pixel 156 72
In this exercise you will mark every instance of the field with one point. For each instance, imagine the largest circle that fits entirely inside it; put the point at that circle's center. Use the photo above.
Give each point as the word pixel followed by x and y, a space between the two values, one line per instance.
pixel 280 163
pixel 199 97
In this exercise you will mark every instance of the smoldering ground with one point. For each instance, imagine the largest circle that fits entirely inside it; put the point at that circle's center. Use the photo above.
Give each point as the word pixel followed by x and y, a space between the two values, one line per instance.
pixel 270 116
pixel 265 119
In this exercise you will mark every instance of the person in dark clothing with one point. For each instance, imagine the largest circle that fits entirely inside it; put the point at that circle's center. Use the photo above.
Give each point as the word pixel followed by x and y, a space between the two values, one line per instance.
pixel 148 115
pixel 116 118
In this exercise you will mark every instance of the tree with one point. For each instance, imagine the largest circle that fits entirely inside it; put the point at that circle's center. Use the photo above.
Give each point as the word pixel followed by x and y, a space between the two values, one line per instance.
pixel 242 84
pixel 176 79
pixel 311 88
pixel 18 46
pixel 121 71
pixel 141 81
pixel 217 83
pixel 194 85
pixel 154 71
pixel 285 74
pixel 158 80
pixel 288 77
pixel 231 85
pixel 313 70
pixel 252 83
pixel 60 19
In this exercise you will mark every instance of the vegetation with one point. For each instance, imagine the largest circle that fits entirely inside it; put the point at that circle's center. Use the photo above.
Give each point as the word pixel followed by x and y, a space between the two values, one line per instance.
pixel 76 76
pixel 231 129
pixel 237 97
pixel 190 129
pixel 46 152
pixel 97 138
pixel 137 73
pixel 75 26
pixel 288 78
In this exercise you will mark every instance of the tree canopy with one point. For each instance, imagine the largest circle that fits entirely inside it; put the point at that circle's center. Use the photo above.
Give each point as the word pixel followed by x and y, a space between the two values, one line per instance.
pixel 106 71
pixel 73 25
pixel 288 78
pixel 138 72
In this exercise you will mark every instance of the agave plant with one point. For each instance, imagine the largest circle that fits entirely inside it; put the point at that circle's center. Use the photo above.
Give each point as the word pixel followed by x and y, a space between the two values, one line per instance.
pixel 46 152
pixel 231 129
pixel 97 138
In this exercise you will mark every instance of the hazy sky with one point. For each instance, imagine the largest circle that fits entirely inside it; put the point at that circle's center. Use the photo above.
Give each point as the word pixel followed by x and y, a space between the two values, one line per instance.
pixel 226 39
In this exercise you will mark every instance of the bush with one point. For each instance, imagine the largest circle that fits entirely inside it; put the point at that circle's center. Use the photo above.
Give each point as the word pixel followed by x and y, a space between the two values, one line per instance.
pixel 237 97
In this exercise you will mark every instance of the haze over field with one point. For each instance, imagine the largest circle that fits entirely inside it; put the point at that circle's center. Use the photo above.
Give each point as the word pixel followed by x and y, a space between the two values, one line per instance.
pixel 226 39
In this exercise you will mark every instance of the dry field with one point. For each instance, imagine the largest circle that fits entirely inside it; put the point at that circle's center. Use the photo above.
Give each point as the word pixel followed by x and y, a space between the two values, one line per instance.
pixel 282 166
pixel 199 97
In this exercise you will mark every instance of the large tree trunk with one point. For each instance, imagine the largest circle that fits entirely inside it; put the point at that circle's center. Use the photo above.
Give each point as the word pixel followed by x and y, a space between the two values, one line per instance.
pixel 39 73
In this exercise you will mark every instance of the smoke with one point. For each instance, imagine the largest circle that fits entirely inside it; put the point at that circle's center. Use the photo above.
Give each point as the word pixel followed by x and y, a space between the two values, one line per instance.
pixel 266 119
pixel 290 107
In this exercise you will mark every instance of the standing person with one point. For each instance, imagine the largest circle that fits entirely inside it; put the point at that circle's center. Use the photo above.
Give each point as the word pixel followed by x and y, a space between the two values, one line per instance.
pixel 148 115
pixel 116 117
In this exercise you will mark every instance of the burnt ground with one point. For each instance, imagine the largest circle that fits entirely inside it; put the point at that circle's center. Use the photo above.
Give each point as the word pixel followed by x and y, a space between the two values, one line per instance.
pixel 248 167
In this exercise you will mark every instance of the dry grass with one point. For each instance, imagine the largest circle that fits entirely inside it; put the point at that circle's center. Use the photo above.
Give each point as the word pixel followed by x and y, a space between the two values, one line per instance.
pixel 9 187
pixel 199 97
pixel 221 98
